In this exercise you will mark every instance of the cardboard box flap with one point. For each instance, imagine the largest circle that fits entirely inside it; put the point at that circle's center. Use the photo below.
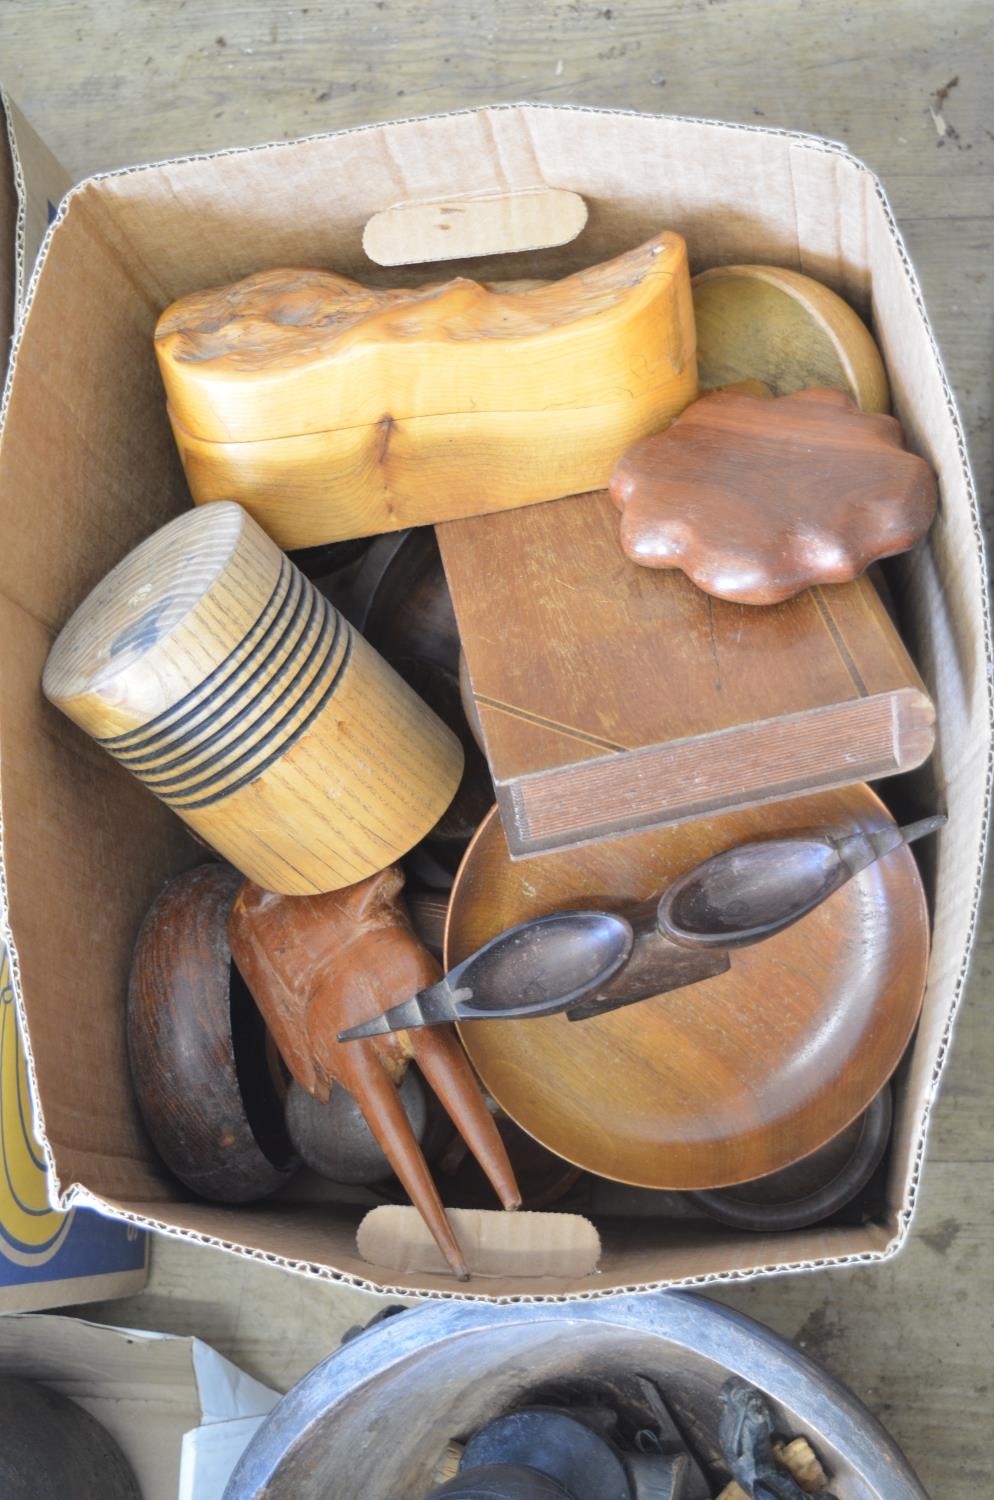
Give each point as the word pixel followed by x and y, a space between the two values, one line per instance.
pixel 155 1394
pixel 535 1245
pixel 32 183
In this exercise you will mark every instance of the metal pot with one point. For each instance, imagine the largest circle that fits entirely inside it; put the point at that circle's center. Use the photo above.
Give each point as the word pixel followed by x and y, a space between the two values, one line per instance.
pixel 370 1422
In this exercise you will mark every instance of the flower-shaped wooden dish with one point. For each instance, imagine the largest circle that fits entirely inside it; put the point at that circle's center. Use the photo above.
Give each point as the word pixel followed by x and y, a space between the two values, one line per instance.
pixel 757 499
pixel 729 1079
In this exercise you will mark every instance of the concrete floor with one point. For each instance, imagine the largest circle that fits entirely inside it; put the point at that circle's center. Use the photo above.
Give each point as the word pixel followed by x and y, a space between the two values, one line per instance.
pixel 112 82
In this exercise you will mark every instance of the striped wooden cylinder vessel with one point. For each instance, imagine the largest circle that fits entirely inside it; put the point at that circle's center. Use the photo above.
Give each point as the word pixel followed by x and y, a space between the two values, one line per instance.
pixel 210 667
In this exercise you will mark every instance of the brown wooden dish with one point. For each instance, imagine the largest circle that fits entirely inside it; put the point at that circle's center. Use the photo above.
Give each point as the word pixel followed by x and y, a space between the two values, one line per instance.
pixel 197 1047
pixel 788 331
pixel 729 1079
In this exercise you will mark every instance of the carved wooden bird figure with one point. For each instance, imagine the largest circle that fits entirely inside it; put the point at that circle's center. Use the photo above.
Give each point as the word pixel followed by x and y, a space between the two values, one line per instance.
pixel 319 964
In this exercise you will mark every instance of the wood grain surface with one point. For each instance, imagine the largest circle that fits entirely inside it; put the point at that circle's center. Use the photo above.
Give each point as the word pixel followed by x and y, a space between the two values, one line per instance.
pixel 727 1079
pixel 786 330
pixel 108 86
pixel 197 1047
pixel 331 410
pixel 756 500
pixel 609 695
pixel 318 965
pixel 209 667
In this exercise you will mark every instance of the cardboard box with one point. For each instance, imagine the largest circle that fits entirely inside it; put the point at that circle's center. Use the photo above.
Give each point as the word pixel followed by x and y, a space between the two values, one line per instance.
pixel 181 1413
pixel 88 469
pixel 47 1258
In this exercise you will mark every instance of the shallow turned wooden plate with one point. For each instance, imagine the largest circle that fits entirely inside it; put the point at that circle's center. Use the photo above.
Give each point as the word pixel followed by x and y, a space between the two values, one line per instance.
pixel 728 1079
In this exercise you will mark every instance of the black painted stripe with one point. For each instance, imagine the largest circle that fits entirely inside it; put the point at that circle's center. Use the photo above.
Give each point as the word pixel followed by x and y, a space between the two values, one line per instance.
pixel 240 700
pixel 255 771
pixel 284 599
pixel 259 715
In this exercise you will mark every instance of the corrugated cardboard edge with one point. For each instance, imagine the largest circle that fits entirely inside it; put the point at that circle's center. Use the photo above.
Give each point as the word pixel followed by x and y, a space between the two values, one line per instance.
pixel 38 178
pixel 78 1195
pixel 37 174
pixel 15 127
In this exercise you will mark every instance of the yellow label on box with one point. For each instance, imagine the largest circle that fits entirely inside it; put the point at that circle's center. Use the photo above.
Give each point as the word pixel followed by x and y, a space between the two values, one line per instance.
pixel 31 1232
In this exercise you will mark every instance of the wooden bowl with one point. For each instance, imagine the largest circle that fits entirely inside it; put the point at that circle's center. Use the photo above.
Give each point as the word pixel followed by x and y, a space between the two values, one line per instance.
pixel 334 1140
pixel 788 331
pixel 197 1046
pixel 812 1189
pixel 729 1079
pixel 400 600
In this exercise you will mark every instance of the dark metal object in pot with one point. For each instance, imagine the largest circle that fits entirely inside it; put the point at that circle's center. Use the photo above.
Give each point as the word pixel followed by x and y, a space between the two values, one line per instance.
pixel 501 1482
pixel 556 1443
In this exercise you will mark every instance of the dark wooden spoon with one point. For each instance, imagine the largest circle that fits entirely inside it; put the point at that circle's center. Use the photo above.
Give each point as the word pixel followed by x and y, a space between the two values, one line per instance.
pixel 538 968
pixel 746 894
pixel 587 963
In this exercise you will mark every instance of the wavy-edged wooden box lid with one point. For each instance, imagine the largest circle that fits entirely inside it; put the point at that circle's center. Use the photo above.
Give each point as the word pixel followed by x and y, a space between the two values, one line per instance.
pixel 292 351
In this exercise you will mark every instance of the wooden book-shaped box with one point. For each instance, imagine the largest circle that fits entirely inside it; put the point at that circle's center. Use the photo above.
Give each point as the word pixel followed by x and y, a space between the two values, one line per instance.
pixel 612 697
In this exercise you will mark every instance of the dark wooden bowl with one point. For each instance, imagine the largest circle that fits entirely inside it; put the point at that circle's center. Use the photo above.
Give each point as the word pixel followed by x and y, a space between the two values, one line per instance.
pixel 427 911
pixel 51 1449
pixel 197 1047
pixel 400 600
pixel 543 1177
pixel 334 1140
pixel 811 1189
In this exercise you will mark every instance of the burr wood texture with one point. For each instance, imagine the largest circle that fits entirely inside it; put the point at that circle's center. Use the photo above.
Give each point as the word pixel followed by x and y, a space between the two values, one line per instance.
pixel 757 499
pixel 331 410
pixel 217 674
pixel 317 965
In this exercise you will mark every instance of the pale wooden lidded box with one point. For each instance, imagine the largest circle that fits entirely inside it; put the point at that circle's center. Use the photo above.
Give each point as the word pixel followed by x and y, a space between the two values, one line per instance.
pixel 88 469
